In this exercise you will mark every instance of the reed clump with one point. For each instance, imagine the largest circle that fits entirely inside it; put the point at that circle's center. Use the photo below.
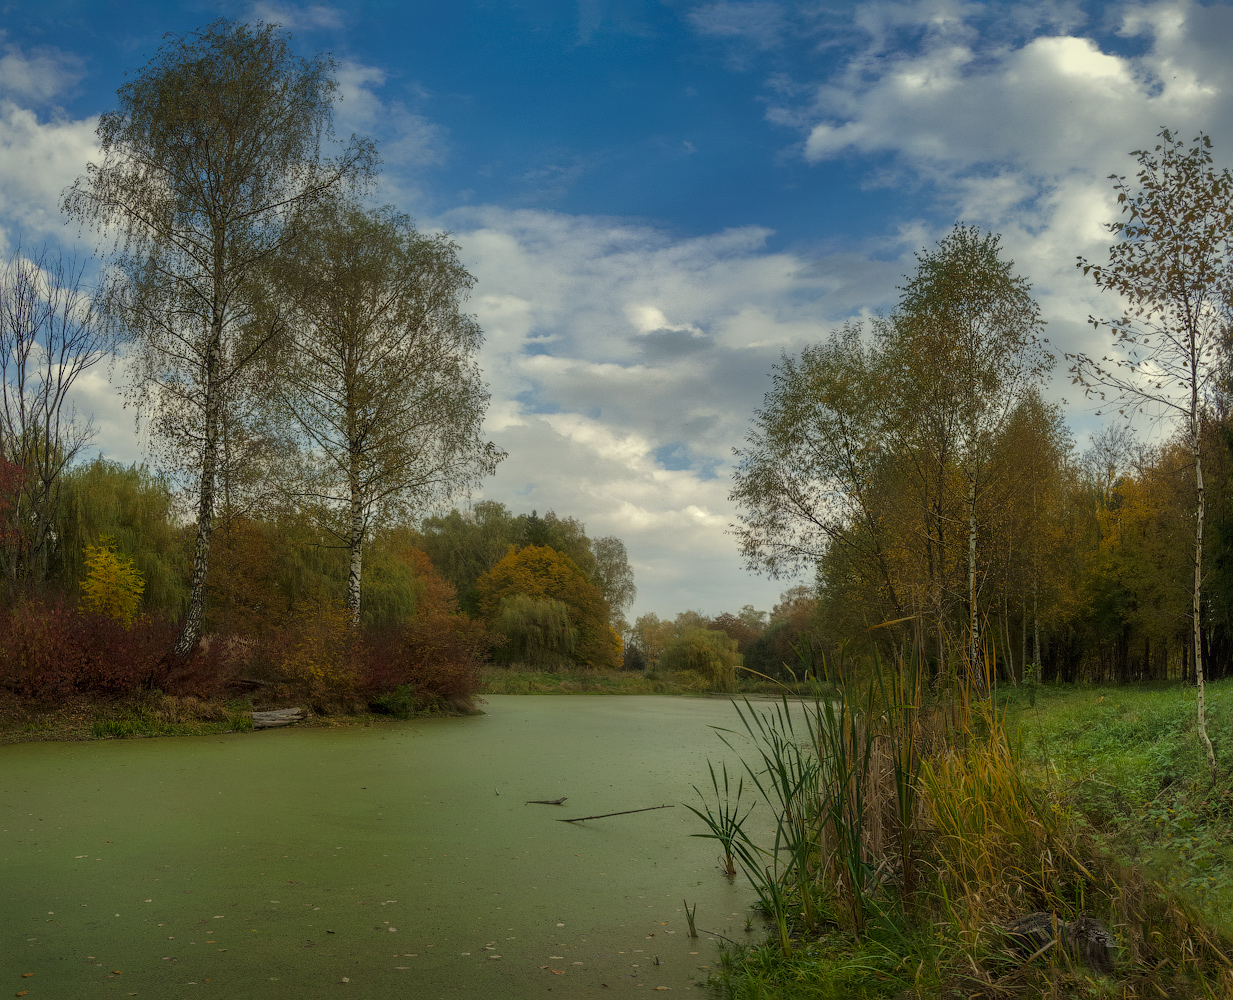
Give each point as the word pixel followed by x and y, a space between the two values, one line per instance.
pixel 908 837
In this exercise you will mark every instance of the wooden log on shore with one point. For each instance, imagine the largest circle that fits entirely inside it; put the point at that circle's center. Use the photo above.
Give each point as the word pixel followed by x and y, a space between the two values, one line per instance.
pixel 278 717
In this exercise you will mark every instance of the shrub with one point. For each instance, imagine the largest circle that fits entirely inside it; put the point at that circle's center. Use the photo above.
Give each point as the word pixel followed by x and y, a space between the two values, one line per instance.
pixel 48 650
pixel 318 652
pixel 431 661
pixel 113 584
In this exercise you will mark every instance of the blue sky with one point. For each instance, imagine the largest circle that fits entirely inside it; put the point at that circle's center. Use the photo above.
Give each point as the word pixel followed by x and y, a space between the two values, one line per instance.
pixel 659 197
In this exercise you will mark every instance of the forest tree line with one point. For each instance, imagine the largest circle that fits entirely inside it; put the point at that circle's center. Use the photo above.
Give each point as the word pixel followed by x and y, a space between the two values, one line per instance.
pixel 915 468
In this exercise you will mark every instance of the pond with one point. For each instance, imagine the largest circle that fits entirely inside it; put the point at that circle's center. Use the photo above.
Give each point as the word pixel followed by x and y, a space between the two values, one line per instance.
pixel 393 860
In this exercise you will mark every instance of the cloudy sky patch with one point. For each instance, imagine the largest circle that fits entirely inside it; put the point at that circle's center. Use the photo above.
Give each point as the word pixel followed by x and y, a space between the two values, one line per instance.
pixel 659 199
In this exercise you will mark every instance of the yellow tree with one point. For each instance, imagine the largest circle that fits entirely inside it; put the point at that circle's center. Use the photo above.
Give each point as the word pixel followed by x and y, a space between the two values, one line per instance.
pixel 545 574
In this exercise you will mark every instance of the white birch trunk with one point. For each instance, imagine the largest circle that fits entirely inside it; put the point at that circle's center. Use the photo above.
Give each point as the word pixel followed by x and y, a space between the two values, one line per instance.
pixel 190 633
pixel 1196 607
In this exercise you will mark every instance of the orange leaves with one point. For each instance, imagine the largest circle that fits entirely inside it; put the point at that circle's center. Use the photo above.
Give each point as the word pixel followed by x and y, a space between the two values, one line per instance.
pixel 541 572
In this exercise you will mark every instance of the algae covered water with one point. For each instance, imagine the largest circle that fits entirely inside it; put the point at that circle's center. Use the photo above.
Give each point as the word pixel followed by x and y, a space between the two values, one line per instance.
pixel 392 861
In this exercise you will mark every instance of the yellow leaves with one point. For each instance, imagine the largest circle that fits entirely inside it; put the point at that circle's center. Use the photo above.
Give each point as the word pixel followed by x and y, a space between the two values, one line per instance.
pixel 113 585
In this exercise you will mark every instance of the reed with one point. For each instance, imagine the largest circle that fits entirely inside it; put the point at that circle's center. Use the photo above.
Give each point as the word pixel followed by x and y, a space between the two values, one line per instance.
pixel 908 830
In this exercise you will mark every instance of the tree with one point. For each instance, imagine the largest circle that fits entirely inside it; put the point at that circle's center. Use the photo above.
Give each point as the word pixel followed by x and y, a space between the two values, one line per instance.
pixel 980 326
pixel 707 652
pixel 538 632
pixel 376 368
pixel 542 573
pixel 1173 267
pixel 215 147
pixel 613 576
pixel 50 335
pixel 464 546
pixel 807 472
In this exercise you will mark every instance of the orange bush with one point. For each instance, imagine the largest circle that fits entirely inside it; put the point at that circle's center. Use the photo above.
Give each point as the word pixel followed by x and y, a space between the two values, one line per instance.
pixel 433 659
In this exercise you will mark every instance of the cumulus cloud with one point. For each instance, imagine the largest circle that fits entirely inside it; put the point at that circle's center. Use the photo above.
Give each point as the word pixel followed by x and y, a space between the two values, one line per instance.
pixel 41 149
pixel 1013 116
pixel 625 364
pixel 38 76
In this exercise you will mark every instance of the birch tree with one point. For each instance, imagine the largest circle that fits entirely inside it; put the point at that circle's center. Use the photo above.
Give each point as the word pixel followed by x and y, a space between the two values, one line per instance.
pixel 1172 265
pixel 980 326
pixel 216 143
pixel 377 370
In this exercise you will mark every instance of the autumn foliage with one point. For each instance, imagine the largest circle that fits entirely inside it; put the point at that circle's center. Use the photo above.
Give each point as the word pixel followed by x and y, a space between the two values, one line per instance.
pixel 543 573
pixel 433 659
pixel 113 585
pixel 50 650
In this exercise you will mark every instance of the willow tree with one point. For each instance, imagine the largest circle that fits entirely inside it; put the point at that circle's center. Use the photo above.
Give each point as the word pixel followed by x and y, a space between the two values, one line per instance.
pixel 377 370
pixel 215 145
pixel 1173 268
pixel 975 320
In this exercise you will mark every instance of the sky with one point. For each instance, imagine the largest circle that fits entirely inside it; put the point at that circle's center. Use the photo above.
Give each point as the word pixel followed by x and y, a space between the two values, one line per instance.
pixel 660 198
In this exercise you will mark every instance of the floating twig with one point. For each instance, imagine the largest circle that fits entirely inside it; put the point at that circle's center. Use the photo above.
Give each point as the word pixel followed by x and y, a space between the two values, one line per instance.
pixel 546 802
pixel 623 812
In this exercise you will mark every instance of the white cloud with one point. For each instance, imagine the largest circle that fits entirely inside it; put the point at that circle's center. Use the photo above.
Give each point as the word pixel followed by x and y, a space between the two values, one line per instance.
pixel 38 159
pixel 407 141
pixel 38 76
pixel 299 17
pixel 760 22
pixel 625 365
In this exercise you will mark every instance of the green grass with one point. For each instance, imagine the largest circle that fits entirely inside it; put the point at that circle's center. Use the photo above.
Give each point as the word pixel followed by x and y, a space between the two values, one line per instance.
pixel 145 726
pixel 1130 763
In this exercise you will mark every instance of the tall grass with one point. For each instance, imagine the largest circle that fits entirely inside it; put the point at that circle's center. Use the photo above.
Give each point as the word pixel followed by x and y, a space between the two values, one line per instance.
pixel 905 827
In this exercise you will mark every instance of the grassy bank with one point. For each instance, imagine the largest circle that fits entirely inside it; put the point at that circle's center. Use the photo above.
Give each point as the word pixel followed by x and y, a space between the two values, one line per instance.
pixel 914 831
pixel 157 714
pixel 148 715
pixel 1129 764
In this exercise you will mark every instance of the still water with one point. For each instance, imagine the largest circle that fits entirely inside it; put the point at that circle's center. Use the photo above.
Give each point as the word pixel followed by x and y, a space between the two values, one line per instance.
pixel 394 861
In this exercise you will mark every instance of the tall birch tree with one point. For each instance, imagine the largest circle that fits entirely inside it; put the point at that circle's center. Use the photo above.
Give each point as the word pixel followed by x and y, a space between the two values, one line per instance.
pixel 214 147
pixel 1172 265
pixel 377 370
pixel 981 328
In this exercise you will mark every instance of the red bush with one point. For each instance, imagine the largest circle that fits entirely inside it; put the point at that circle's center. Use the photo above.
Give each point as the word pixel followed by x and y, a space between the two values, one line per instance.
pixel 49 649
pixel 436 656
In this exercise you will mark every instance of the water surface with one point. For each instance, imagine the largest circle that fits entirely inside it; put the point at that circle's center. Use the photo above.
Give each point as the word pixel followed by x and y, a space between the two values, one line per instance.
pixel 397 860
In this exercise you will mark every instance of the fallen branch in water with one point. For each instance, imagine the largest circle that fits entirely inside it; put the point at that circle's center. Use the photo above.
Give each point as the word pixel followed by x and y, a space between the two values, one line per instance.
pixel 547 802
pixel 623 812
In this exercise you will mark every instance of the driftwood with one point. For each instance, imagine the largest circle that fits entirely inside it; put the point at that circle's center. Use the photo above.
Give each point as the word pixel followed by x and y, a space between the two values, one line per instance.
pixel 547 802
pixel 623 812
pixel 279 717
